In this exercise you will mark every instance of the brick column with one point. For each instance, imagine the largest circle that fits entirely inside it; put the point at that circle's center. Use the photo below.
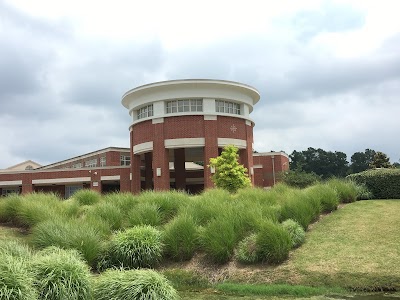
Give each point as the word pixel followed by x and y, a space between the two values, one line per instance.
pixel 124 181
pixel 160 160
pixel 179 165
pixel 135 169
pixel 95 180
pixel 210 149
pixel 248 163
pixel 27 183
pixel 148 158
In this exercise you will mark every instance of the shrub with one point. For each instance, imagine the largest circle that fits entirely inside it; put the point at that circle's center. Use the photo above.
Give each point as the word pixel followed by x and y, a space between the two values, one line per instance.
pixel 362 192
pixel 383 183
pixel 346 189
pixel 299 179
pixel 87 197
pixel 69 234
pixel 180 238
pixel 16 282
pixel 218 239
pixel 136 247
pixel 15 249
pixel 247 250
pixel 273 243
pixel 61 274
pixel 145 214
pixel 296 232
pixel 133 284
pixel 229 174
pixel 325 195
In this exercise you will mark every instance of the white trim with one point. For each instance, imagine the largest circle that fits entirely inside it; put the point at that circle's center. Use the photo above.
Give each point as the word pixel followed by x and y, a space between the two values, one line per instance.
pixel 61 180
pixel 157 121
pixel 241 144
pixel 143 147
pixel 257 166
pixel 10 182
pixel 271 154
pixel 210 117
pixel 115 177
pixel 184 143
pixel 248 122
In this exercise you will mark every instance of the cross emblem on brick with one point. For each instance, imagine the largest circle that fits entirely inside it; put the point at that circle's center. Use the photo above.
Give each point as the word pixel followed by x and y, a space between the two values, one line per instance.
pixel 233 128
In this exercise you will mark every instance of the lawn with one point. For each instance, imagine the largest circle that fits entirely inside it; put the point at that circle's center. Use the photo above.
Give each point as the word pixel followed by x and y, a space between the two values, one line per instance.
pixel 357 247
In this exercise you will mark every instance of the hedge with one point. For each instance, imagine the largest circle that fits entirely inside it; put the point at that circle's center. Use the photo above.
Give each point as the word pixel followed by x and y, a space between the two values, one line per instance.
pixel 383 183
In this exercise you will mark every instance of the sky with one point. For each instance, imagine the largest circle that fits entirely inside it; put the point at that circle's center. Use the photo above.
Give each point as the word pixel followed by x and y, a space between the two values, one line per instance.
pixel 328 72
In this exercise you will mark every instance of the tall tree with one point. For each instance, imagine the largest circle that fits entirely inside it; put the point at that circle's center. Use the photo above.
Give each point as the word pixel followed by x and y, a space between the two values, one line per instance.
pixel 318 161
pixel 360 161
pixel 381 160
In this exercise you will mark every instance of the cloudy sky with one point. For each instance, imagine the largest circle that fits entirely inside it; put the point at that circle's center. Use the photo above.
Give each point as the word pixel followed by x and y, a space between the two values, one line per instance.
pixel 328 71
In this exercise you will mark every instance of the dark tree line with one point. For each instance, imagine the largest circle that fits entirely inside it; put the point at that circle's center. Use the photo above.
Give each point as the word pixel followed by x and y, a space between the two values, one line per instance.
pixel 327 164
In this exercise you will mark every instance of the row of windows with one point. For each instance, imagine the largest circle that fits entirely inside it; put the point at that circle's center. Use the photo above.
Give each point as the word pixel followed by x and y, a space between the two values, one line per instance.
pixel 190 105
pixel 184 105
pixel 125 160
pixel 227 107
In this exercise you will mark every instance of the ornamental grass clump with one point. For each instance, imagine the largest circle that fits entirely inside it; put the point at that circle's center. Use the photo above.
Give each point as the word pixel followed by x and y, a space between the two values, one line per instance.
pixel 325 195
pixel 87 197
pixel 15 249
pixel 107 213
pixel 136 247
pixel 133 284
pixel 168 202
pixel 298 206
pixel 218 239
pixel 346 189
pixel 37 207
pixel 296 232
pixel 61 274
pixel 9 207
pixel 16 281
pixel 145 213
pixel 69 234
pixel 180 238
pixel 273 243
pixel 246 251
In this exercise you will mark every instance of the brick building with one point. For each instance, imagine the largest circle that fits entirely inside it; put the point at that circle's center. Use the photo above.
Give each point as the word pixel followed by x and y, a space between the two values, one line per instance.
pixel 176 127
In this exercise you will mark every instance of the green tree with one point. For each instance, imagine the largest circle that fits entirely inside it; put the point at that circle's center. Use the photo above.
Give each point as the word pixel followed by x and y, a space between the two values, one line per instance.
pixel 381 160
pixel 318 161
pixel 360 161
pixel 229 174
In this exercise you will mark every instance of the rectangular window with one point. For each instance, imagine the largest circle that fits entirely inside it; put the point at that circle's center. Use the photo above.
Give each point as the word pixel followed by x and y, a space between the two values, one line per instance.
pixel 145 112
pixel 185 105
pixel 125 160
pixel 103 161
pixel 9 191
pixel 71 189
pixel 91 163
pixel 77 166
pixel 227 107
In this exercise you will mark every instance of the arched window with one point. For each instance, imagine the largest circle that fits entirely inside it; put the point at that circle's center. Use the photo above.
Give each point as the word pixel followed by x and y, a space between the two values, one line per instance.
pixel 29 167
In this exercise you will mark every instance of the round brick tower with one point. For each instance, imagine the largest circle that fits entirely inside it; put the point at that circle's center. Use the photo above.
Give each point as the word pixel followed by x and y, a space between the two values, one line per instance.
pixel 178 125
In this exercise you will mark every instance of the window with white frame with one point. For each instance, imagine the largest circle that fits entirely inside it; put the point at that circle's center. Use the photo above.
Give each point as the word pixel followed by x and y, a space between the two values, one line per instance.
pixel 71 189
pixel 125 160
pixel 145 111
pixel 91 163
pixel 76 166
pixel 9 190
pixel 103 161
pixel 186 105
pixel 227 107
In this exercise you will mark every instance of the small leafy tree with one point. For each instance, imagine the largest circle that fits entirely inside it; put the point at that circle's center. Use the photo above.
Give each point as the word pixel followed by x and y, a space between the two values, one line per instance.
pixel 229 174
pixel 380 161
